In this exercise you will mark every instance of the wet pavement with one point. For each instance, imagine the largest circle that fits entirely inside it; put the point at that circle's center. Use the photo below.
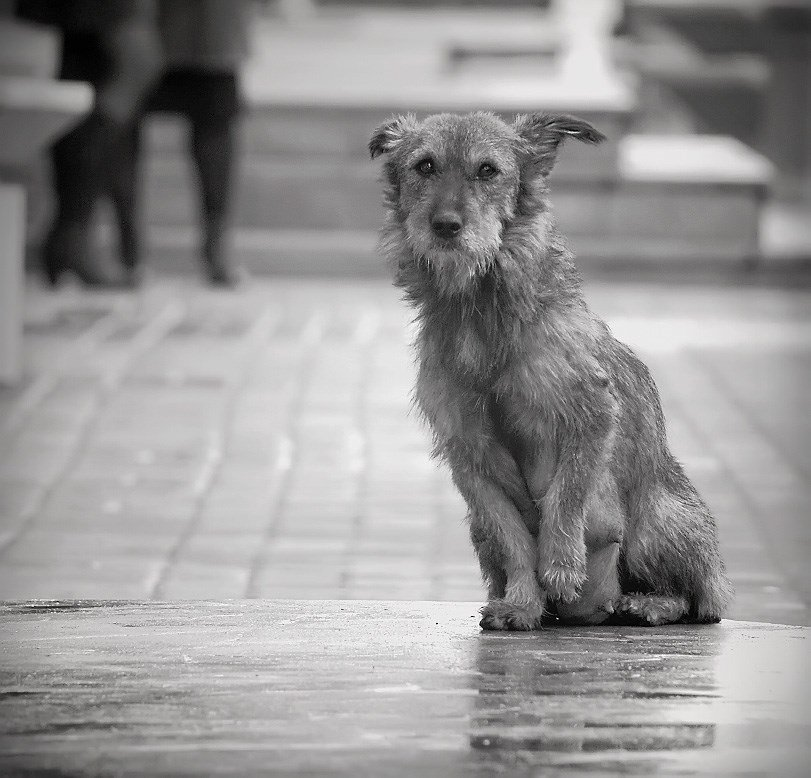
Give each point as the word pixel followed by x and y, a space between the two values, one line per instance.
pixel 185 443
pixel 391 688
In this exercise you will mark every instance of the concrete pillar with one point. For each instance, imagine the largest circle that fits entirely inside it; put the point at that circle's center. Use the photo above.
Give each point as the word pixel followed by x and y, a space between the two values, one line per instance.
pixel 12 249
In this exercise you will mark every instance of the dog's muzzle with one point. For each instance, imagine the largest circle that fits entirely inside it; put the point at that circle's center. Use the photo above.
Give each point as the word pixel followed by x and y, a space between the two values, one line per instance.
pixel 446 225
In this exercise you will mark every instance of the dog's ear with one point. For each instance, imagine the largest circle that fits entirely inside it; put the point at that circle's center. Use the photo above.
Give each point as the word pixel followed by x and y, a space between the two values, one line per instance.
pixel 391 133
pixel 542 134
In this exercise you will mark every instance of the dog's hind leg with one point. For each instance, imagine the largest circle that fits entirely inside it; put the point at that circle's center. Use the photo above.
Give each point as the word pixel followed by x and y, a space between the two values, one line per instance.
pixel 650 609
pixel 671 550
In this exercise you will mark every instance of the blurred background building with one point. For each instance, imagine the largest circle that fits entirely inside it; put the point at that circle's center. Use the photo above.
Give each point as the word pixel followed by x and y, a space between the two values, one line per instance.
pixel 705 180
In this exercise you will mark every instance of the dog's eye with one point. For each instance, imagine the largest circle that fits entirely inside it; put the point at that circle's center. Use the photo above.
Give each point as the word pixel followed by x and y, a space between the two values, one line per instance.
pixel 425 167
pixel 486 171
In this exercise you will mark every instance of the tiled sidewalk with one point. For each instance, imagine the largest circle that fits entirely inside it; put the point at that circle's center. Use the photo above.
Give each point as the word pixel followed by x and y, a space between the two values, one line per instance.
pixel 184 443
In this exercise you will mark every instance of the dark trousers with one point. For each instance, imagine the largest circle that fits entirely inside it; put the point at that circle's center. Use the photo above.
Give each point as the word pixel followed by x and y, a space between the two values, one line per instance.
pixel 209 101
pixel 100 157
pixel 92 160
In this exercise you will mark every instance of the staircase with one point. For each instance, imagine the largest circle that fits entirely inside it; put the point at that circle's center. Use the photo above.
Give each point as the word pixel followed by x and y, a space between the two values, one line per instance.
pixel 308 198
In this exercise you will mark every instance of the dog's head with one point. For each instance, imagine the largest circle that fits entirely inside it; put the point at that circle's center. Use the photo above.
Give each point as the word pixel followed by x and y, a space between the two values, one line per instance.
pixel 456 182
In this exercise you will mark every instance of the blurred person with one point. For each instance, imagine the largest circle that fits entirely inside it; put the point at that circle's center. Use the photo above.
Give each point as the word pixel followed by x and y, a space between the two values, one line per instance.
pixel 204 45
pixel 112 44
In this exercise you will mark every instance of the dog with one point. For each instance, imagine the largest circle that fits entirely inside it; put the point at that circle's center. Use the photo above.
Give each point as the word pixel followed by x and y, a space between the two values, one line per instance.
pixel 552 428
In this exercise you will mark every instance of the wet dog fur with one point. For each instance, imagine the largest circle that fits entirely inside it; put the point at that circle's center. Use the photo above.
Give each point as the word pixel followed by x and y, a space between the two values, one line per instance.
pixel 552 428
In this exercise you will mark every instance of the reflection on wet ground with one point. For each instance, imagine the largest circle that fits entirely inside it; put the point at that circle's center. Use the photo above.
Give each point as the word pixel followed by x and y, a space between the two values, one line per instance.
pixel 391 688
pixel 593 691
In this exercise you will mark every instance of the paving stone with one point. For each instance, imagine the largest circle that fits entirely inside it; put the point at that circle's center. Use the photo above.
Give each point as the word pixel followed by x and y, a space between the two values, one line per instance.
pixel 110 520
pixel 52 545
pixel 108 578
pixel 231 548
pixel 229 516
pixel 189 579
pixel 304 529
pixel 285 583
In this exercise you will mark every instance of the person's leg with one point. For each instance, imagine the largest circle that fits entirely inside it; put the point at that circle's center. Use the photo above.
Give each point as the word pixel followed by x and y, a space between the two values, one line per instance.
pixel 123 182
pixel 77 180
pixel 213 111
pixel 78 174
pixel 213 140
pixel 76 170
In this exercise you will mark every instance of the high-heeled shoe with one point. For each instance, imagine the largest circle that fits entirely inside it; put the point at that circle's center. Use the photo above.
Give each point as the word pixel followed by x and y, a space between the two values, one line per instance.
pixel 69 250
pixel 219 271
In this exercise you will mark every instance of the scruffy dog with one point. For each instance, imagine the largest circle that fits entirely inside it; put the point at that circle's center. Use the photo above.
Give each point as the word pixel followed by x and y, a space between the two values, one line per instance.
pixel 552 428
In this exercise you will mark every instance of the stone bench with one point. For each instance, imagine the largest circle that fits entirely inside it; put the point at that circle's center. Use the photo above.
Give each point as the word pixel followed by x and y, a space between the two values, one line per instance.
pixel 743 68
pixel 686 196
pixel 710 91
pixel 33 112
pixel 390 688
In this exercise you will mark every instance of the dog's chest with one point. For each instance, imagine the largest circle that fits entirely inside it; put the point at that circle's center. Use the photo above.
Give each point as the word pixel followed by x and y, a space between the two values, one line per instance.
pixel 522 415
pixel 529 386
pixel 530 379
pixel 530 435
pixel 493 366
pixel 470 352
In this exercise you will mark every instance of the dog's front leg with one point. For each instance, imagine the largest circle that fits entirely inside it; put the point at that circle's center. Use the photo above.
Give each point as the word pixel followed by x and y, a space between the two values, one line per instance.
pixel 499 504
pixel 506 551
pixel 561 539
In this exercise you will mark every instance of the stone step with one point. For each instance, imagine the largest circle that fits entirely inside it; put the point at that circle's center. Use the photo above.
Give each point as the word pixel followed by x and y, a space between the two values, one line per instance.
pixel 377 61
pixel 272 192
pixel 332 134
pixel 347 253
pixel 283 198
pixel 701 193
pixel 337 253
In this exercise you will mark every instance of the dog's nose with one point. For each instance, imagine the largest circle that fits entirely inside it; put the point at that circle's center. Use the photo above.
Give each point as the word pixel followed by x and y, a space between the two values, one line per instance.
pixel 446 224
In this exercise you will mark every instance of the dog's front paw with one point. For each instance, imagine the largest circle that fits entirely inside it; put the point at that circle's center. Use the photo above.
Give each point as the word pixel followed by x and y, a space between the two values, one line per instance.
pixel 563 582
pixel 506 616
